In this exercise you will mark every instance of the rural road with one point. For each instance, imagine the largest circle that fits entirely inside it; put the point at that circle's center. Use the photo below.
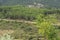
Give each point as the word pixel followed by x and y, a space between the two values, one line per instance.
pixel 24 21
pixel 19 21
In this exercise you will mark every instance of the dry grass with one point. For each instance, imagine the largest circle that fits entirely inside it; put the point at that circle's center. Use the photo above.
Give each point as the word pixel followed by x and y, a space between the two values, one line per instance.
pixel 6 32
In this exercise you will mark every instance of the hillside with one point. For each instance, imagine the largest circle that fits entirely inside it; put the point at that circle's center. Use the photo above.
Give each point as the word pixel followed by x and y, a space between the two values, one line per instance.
pixel 21 22
pixel 48 3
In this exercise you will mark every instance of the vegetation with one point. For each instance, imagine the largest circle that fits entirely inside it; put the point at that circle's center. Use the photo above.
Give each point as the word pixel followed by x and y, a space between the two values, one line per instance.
pixel 47 3
pixel 46 28
pixel 6 37
pixel 21 30
pixel 43 28
pixel 25 13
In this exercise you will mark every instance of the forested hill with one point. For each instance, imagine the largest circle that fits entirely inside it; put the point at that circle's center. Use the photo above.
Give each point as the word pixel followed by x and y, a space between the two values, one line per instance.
pixel 50 3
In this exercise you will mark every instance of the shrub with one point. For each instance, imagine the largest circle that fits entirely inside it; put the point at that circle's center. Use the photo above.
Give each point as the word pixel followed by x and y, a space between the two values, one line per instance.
pixel 46 27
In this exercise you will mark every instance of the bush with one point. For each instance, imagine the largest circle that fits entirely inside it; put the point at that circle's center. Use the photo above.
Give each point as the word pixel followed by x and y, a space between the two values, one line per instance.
pixel 46 27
